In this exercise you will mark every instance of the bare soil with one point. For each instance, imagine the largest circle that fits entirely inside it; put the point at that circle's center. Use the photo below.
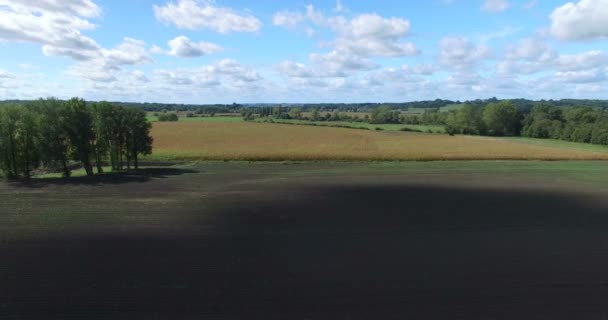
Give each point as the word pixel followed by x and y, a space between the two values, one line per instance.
pixel 226 242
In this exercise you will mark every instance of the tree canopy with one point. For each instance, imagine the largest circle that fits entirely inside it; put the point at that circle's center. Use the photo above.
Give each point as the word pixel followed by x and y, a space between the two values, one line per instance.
pixel 50 133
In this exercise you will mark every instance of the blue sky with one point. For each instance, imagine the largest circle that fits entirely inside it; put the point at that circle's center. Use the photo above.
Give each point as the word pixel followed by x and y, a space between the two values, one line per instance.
pixel 224 51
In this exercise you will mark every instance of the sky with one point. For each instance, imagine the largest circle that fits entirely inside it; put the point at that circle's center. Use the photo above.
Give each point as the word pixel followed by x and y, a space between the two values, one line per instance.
pixel 225 51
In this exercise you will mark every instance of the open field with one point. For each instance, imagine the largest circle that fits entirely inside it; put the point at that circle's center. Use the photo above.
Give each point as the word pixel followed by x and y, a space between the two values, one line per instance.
pixel 266 141
pixel 348 113
pixel 369 126
pixel 413 240
pixel 233 118
pixel 558 144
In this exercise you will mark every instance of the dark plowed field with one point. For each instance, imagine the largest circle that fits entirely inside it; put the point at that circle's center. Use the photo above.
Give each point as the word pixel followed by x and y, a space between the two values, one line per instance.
pixel 243 242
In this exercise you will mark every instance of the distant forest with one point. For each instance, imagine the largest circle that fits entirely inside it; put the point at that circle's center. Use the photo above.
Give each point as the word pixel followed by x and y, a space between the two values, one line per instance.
pixel 523 105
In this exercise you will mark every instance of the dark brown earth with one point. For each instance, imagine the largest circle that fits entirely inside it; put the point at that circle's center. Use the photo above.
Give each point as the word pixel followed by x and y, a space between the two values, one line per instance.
pixel 340 246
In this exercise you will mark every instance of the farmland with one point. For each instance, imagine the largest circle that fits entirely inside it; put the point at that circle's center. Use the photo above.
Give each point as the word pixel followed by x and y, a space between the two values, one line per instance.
pixel 225 240
pixel 271 141
pixel 279 217
pixel 364 125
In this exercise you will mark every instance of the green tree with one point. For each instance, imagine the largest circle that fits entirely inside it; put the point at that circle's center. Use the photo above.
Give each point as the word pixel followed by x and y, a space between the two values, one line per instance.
pixel 168 117
pixel 465 120
pixel 599 135
pixel 295 113
pixel 27 142
pixel 54 139
pixel 501 119
pixel 19 137
pixel 79 125
pixel 9 117
pixel 543 121
pixel 385 114
pixel 138 140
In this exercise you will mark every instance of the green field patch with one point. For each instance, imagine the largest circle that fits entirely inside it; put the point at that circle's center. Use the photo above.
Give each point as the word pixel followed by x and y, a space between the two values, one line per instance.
pixel 362 125
pixel 559 144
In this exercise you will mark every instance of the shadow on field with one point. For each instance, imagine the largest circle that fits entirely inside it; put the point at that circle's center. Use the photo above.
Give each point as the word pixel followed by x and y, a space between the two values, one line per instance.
pixel 344 252
pixel 121 177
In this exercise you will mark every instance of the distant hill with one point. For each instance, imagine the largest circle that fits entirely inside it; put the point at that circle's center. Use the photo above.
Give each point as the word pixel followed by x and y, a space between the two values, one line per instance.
pixel 418 106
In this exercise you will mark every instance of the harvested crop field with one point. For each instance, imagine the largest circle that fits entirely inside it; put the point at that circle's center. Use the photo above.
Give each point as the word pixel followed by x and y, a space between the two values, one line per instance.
pixel 266 141
pixel 263 240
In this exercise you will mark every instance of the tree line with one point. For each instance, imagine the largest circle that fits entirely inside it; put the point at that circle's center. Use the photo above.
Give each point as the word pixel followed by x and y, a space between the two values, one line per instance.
pixel 576 124
pixel 324 108
pixel 50 133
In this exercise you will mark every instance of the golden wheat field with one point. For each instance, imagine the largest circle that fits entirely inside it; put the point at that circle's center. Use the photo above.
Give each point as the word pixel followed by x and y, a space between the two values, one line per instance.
pixel 267 141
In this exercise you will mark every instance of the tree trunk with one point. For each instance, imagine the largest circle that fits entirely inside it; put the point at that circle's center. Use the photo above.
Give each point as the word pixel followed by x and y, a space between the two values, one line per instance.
pixel 113 158
pixel 13 157
pixel 66 171
pixel 135 163
pixel 27 166
pixel 98 161
pixel 27 157
pixel 128 160
pixel 86 163
pixel 120 159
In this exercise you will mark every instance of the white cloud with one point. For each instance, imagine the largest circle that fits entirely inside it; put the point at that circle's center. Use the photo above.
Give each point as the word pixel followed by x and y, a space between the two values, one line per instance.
pixel 514 67
pixel 583 20
pixel 495 5
pixel 56 26
pixel 333 64
pixel 109 62
pixel 27 66
pixel 464 79
pixel 528 56
pixel 586 60
pixel 460 53
pixel 83 8
pixel 222 80
pixel 295 69
pixel 370 35
pixel 356 42
pixel 421 69
pixel 182 46
pixel 531 56
pixel 584 76
pixel 499 34
pixel 288 19
pixel 6 75
pixel 365 35
pixel 226 72
pixel 129 52
pixel 203 14
pixel 531 49
pixel 392 76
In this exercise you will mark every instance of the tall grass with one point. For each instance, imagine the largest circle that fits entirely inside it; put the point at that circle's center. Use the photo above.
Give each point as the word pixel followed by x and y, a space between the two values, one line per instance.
pixel 277 142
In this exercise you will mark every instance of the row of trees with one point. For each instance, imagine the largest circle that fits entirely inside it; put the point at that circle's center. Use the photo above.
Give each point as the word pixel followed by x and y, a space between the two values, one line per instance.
pixel 495 119
pixel 577 124
pixel 580 124
pixel 380 115
pixel 51 133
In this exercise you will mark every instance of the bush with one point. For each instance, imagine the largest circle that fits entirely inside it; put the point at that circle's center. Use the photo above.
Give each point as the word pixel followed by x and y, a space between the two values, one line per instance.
pixel 385 115
pixel 168 117
pixel 600 136
pixel 501 119
pixel 406 129
pixel 582 134
pixel 451 130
